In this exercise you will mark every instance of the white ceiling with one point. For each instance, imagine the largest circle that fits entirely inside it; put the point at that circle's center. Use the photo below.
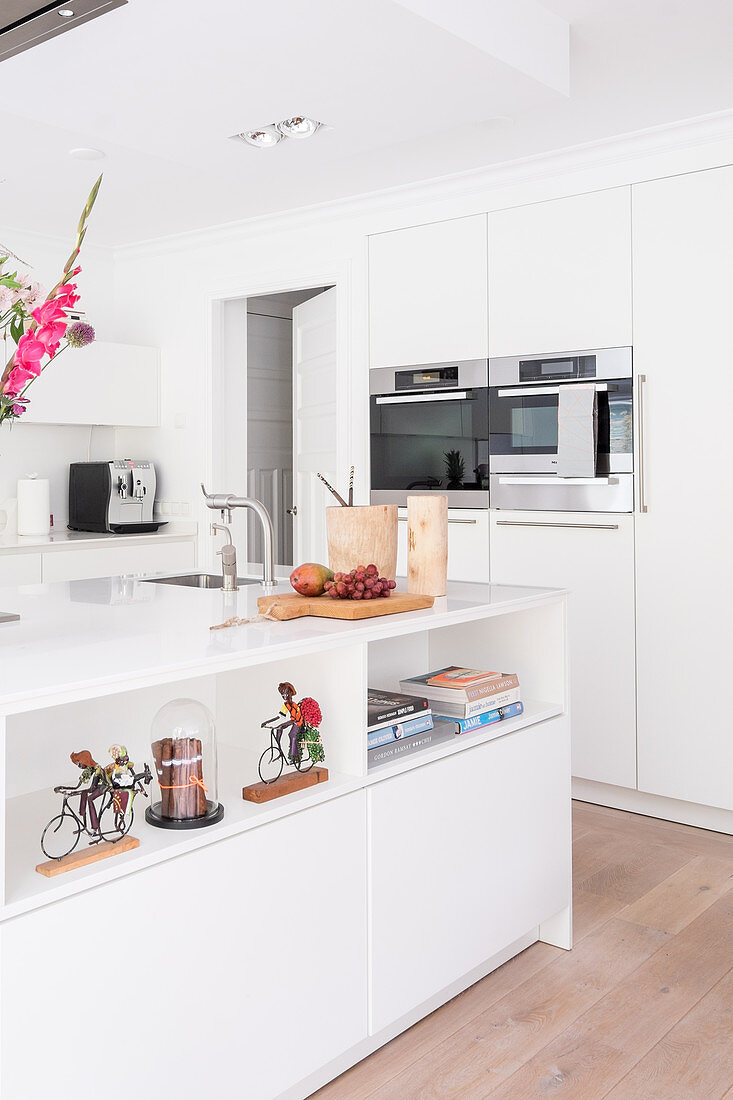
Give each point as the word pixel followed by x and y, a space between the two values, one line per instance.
pixel 160 85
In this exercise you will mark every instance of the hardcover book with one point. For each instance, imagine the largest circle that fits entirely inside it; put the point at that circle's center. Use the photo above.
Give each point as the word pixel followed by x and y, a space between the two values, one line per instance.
pixel 482 689
pixel 389 706
pixel 395 750
pixel 488 718
pixel 382 735
pixel 456 677
pixel 461 709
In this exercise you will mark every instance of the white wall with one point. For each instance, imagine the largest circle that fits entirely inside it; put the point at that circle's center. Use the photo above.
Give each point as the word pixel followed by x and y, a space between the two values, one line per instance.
pixel 44 449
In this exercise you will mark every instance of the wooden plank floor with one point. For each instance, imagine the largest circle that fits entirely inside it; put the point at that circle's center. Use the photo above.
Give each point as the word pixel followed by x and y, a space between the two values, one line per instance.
pixel 640 1009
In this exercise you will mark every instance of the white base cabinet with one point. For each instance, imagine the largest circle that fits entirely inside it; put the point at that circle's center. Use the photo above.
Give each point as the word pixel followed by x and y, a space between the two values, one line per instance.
pixel 431 920
pixel 468 544
pixel 242 952
pixel 683 281
pixel 592 556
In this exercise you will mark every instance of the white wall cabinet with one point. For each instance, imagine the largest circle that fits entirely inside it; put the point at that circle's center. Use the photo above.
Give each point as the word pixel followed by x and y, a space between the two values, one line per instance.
pixel 683 282
pixel 468 544
pixel 560 274
pixel 428 293
pixel 431 920
pixel 593 556
pixel 105 383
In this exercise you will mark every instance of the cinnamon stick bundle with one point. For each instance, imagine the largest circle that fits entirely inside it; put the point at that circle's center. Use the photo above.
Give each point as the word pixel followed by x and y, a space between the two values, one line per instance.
pixel 179 766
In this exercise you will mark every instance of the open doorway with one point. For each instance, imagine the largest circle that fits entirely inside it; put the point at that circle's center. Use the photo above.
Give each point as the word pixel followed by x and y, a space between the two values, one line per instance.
pixel 274 415
pixel 270 388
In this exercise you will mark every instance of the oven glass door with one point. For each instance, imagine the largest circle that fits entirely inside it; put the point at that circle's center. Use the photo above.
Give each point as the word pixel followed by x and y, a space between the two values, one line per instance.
pixel 523 427
pixel 412 435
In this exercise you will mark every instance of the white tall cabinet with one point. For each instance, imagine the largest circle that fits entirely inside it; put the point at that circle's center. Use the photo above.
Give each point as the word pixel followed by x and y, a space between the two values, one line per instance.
pixel 683 285
pixel 428 293
pixel 560 274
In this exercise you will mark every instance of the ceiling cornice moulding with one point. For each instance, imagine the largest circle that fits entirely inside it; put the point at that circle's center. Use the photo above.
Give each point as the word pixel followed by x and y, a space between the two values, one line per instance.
pixel 688 133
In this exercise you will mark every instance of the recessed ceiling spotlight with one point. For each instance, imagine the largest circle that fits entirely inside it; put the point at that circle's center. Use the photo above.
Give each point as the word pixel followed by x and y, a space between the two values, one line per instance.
pixel 263 138
pixel 87 154
pixel 66 13
pixel 298 127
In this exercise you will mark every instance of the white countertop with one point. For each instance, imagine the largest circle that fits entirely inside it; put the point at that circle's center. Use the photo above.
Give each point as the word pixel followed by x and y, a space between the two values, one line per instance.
pixel 82 639
pixel 63 539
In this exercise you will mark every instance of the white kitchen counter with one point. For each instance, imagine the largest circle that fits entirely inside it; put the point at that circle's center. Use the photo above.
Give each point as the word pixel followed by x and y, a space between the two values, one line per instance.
pixel 63 539
pixel 85 638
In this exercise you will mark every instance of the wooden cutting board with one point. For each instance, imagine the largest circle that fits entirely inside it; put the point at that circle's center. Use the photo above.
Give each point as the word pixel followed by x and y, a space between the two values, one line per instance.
pixel 292 606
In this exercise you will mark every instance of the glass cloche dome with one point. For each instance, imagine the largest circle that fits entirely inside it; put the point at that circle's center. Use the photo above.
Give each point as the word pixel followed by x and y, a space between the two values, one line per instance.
pixel 183 743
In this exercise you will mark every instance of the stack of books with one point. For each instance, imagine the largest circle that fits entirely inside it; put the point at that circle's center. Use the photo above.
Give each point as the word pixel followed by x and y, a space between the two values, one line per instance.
pixel 399 724
pixel 471 698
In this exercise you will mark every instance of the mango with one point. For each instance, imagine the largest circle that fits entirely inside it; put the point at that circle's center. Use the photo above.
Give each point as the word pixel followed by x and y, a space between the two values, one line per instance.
pixel 310 578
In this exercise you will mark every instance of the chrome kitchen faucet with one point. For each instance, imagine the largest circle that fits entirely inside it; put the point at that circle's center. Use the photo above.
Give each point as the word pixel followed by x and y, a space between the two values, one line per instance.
pixel 224 503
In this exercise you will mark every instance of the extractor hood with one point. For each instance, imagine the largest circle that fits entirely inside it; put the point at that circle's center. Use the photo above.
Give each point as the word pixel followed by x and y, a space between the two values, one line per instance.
pixel 25 23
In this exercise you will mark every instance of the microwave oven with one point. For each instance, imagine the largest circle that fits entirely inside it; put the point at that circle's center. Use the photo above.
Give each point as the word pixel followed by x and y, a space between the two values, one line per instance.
pixel 524 399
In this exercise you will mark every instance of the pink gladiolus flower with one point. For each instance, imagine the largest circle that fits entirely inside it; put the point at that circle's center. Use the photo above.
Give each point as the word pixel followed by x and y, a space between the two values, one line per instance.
pixel 66 297
pixel 48 312
pixel 50 336
pixel 17 380
pixel 19 409
pixel 29 353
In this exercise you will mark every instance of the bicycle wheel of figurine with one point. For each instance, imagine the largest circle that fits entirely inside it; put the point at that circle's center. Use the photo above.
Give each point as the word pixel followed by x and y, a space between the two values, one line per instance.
pixel 270 766
pixel 60 836
pixel 305 763
pixel 113 825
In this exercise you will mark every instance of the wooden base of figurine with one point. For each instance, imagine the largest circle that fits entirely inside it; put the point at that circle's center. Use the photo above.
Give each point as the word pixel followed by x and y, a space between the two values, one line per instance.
pixel 83 856
pixel 286 784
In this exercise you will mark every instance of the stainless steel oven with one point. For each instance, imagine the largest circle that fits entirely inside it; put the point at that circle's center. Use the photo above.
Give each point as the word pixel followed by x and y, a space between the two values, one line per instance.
pixel 525 394
pixel 429 429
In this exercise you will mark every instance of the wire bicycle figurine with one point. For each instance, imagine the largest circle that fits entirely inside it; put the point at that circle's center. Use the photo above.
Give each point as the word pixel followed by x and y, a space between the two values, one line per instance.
pixel 305 748
pixel 114 789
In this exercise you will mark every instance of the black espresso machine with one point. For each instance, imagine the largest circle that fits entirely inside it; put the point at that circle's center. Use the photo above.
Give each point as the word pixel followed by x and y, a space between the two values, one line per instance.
pixel 117 496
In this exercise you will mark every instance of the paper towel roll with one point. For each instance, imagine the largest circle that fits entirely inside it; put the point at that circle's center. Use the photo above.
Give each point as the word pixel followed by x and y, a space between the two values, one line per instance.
pixel 34 506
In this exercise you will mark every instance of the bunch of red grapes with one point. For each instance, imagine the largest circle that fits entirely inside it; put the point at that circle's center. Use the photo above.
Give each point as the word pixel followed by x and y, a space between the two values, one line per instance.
pixel 362 583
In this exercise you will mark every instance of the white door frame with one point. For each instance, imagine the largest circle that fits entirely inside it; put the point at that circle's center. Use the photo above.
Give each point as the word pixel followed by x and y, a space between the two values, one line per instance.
pixel 280 281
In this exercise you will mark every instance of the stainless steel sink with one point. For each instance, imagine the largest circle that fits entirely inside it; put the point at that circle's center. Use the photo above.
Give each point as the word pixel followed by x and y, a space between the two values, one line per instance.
pixel 198 580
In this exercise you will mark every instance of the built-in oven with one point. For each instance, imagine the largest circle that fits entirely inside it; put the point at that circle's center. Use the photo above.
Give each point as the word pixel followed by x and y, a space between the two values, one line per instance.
pixel 429 429
pixel 527 395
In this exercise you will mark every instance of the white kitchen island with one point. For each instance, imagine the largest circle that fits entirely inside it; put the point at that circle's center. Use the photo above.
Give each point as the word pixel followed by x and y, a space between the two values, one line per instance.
pixel 262 956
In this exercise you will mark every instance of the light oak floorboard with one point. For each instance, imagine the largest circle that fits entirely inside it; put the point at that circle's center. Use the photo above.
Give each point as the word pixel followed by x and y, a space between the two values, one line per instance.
pixel 686 894
pixel 601 1045
pixel 694 1060
pixel 604 1044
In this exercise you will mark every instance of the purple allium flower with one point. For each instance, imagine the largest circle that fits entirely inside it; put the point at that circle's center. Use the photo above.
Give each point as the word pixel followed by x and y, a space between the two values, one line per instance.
pixel 80 334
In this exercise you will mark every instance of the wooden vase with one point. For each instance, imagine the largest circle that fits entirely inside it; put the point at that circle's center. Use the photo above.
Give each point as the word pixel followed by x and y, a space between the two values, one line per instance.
pixel 427 544
pixel 363 535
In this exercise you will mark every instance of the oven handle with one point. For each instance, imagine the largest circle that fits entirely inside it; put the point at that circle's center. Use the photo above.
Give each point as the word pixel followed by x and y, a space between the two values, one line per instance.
pixel 409 398
pixel 552 479
pixel 522 391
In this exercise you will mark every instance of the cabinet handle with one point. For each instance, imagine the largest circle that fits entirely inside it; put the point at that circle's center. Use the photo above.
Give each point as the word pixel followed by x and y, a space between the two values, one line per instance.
pixel 472 522
pixel 643 506
pixel 541 523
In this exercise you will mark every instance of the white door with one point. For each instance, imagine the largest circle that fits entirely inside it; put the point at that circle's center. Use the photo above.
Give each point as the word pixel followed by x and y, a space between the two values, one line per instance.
pixel 315 423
